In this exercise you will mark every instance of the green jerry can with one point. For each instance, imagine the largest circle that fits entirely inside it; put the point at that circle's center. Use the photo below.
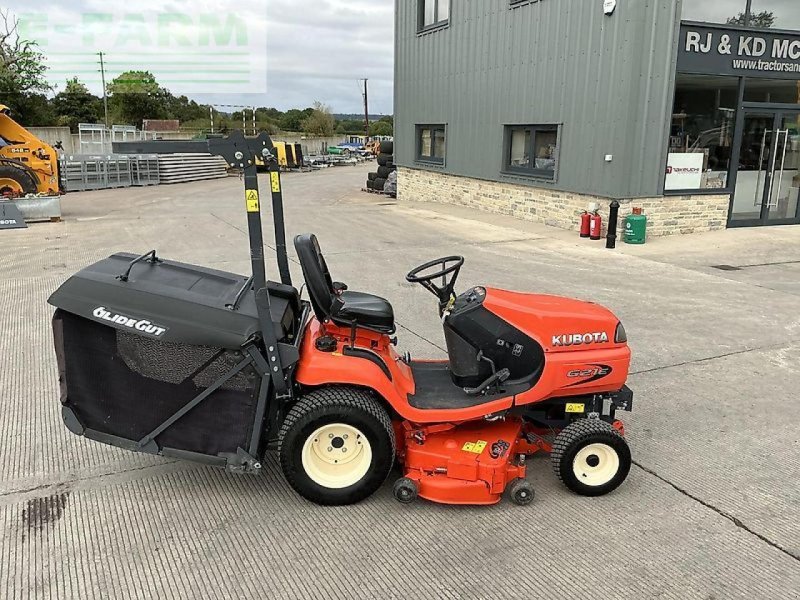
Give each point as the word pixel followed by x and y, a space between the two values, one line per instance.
pixel 635 227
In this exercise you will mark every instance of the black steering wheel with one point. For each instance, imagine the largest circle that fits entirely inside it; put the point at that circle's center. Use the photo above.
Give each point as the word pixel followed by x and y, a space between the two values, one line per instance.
pixel 425 276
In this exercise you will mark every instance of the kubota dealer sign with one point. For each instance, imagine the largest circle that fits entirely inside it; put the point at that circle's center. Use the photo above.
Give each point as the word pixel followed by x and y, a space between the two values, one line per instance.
pixel 725 51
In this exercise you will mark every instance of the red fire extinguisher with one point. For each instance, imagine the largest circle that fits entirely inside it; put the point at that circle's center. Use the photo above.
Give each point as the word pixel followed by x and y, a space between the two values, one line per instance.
pixel 585 226
pixel 595 225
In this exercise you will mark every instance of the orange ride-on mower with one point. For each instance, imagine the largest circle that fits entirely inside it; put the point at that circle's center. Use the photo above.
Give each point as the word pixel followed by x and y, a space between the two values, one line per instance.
pixel 173 359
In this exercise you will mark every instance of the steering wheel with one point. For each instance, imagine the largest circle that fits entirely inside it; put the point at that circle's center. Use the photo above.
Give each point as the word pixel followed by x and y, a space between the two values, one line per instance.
pixel 425 276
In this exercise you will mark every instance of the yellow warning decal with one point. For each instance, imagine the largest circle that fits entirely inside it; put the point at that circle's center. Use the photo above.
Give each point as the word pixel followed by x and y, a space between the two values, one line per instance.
pixel 276 181
pixel 474 447
pixel 252 200
pixel 573 407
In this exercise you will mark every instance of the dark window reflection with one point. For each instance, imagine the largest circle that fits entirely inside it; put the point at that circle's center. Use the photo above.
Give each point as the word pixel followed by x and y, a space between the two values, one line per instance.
pixel 785 91
pixel 703 122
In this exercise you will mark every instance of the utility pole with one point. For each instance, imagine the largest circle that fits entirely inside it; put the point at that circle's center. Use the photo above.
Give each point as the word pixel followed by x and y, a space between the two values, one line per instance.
pixel 211 113
pixel 103 79
pixel 366 109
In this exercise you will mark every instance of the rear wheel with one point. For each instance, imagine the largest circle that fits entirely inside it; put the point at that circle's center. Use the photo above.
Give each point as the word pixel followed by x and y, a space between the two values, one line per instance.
pixel 15 181
pixel 591 457
pixel 337 446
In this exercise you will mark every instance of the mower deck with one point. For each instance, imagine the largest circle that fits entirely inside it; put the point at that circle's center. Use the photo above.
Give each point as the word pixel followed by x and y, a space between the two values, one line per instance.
pixel 468 464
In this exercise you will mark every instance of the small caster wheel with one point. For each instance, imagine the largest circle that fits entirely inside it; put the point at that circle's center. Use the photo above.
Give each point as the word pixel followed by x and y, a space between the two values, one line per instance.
pixel 521 492
pixel 405 490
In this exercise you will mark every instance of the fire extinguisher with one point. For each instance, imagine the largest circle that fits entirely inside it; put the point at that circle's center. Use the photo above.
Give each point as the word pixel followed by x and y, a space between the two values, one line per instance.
pixel 595 225
pixel 585 226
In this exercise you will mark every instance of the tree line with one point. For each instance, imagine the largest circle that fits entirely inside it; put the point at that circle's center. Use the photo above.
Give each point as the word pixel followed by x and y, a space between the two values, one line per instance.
pixel 134 96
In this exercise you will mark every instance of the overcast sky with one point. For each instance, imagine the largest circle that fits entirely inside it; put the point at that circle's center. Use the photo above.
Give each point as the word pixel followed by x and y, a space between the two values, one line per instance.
pixel 786 12
pixel 282 53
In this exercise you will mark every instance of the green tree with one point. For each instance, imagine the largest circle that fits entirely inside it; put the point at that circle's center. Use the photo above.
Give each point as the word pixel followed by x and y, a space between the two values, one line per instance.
pixel 761 20
pixel 22 75
pixel 292 120
pixel 182 108
pixel 76 104
pixel 350 126
pixel 381 128
pixel 320 121
pixel 135 96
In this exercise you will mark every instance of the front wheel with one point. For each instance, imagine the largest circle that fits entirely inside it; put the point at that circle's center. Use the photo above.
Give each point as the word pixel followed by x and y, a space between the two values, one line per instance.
pixel 591 457
pixel 336 446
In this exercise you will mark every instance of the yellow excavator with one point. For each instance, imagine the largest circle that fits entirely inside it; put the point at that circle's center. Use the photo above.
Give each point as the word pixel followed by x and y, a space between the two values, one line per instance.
pixel 27 164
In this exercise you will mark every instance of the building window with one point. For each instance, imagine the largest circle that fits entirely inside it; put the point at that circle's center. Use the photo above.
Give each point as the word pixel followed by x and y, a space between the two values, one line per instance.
pixel 433 13
pixel 531 150
pixel 701 136
pixel 431 141
pixel 785 91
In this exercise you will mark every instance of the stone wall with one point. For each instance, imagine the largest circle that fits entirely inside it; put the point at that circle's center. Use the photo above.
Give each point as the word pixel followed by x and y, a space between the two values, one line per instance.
pixel 667 215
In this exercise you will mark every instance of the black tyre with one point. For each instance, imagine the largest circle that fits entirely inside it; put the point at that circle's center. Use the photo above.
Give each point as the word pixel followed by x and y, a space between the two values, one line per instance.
pixel 336 445
pixel 370 184
pixel 405 490
pixel 590 457
pixel 16 181
pixel 379 183
pixel 521 492
pixel 384 159
pixel 384 172
pixel 387 147
pixel 372 176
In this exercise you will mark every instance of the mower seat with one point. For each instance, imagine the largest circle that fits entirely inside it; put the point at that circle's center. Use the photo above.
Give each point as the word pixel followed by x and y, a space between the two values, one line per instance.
pixel 340 306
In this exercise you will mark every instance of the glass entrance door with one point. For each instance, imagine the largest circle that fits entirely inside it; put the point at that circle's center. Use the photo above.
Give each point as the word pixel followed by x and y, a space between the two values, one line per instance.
pixel 768 175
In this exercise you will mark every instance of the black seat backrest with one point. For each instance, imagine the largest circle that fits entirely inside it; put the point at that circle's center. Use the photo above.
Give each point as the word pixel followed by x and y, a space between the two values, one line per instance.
pixel 315 271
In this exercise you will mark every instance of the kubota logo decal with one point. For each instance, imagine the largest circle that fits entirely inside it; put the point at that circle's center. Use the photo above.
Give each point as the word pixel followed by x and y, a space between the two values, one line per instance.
pixel 142 325
pixel 577 339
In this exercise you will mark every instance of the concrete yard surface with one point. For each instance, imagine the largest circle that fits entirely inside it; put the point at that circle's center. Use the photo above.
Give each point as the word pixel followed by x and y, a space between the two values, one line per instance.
pixel 710 509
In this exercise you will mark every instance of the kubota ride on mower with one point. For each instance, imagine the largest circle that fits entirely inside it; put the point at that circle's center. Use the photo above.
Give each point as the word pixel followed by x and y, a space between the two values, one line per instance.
pixel 173 359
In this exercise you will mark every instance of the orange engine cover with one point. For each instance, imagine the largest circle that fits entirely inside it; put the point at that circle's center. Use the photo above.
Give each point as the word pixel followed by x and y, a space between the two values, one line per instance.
pixel 581 356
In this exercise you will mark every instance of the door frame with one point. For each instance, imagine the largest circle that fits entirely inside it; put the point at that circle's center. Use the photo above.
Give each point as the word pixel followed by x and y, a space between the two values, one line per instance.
pixel 777 111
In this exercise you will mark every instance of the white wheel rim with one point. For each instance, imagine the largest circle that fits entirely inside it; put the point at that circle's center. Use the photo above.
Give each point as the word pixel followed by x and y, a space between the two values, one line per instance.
pixel 336 456
pixel 595 464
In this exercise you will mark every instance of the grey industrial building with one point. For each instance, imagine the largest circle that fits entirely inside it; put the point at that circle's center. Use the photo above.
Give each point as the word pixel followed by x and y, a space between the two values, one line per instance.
pixel 544 108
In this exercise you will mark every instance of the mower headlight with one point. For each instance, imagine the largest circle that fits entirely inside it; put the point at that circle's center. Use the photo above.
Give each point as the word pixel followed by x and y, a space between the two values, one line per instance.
pixel 620 336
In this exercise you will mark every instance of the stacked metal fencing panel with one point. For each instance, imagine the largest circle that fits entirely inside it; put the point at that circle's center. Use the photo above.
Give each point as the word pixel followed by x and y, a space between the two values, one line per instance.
pixel 144 170
pixel 182 168
pixel 82 172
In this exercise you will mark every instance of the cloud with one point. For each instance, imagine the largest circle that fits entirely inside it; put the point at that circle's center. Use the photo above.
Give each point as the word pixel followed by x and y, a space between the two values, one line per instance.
pixel 282 53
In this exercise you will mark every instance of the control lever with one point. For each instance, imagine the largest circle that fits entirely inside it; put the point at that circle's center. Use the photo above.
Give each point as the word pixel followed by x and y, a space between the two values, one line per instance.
pixel 500 377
